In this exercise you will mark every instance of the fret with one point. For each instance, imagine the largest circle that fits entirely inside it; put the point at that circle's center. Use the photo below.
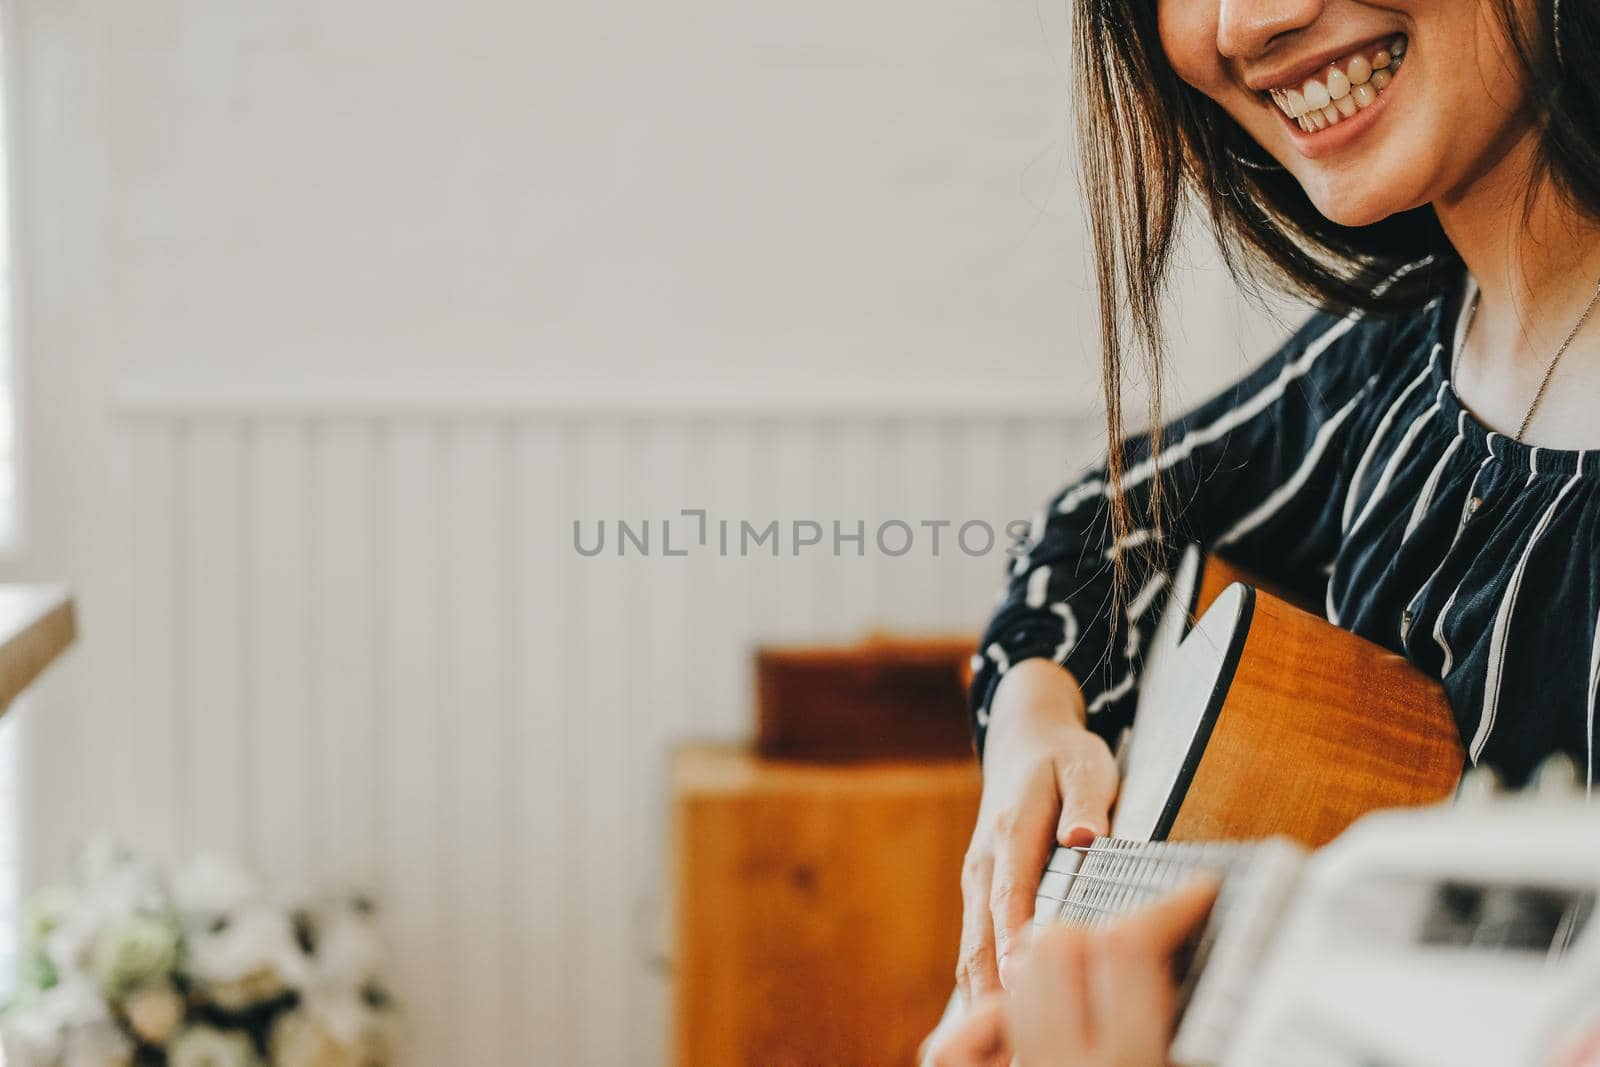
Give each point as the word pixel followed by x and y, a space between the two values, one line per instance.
pixel 1078 909
pixel 1119 884
pixel 1094 892
pixel 1071 910
pixel 1142 873
pixel 1098 909
pixel 1090 884
pixel 1114 880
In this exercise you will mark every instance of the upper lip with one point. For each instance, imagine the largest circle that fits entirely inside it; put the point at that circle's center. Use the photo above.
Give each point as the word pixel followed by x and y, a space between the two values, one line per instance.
pixel 1293 75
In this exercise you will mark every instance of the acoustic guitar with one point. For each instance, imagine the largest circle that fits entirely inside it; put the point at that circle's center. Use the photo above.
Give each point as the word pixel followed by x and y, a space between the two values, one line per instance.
pixel 1258 719
pixel 1262 721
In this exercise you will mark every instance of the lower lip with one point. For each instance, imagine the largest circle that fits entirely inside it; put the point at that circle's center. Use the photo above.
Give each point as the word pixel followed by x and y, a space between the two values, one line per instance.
pixel 1325 142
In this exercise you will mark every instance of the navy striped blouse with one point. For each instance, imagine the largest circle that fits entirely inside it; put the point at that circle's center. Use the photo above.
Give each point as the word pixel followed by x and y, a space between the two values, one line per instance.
pixel 1346 469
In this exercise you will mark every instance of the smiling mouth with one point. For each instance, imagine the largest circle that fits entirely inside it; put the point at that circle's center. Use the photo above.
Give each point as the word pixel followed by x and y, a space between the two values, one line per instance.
pixel 1346 87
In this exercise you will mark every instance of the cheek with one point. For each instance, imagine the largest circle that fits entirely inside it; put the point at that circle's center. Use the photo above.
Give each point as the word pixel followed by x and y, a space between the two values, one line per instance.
pixel 1188 30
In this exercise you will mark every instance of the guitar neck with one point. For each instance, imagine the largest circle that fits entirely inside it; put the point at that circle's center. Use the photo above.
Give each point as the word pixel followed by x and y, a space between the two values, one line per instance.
pixel 1090 886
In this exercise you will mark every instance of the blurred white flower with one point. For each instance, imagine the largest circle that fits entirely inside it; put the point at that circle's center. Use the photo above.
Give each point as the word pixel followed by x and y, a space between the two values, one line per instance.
pixel 344 948
pixel 31 1038
pixel 45 912
pixel 154 1012
pixel 132 951
pixel 74 1001
pixel 345 1014
pixel 114 881
pixel 302 1039
pixel 204 1046
pixel 118 957
pixel 209 886
pixel 297 1041
pixel 69 1025
pixel 244 959
pixel 65 924
pixel 101 1044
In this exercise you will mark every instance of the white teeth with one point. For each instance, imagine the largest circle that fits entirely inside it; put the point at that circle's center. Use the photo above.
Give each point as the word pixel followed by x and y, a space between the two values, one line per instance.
pixel 1318 104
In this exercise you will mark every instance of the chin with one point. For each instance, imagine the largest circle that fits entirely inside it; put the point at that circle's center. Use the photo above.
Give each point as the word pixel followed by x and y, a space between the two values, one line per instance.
pixel 1355 205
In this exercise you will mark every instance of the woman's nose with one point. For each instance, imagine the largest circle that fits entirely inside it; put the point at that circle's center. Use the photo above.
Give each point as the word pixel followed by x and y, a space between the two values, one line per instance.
pixel 1245 28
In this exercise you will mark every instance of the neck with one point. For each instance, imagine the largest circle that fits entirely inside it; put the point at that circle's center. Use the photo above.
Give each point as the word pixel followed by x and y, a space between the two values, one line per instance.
pixel 1534 273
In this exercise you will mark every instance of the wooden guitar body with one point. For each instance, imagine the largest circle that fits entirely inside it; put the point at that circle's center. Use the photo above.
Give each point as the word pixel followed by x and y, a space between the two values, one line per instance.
pixel 1256 720
pixel 1262 719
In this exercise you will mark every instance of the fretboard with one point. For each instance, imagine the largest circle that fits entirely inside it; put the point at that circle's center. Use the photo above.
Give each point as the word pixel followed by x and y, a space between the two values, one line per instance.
pixel 1091 885
pixel 1088 886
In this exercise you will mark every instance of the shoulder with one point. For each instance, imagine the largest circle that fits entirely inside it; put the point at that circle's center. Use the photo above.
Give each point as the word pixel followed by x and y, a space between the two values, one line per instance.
pixel 1361 357
pixel 1329 361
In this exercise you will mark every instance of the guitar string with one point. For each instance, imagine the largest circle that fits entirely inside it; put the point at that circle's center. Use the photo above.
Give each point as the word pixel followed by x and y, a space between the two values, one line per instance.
pixel 1132 886
pixel 1229 855
pixel 1082 904
pixel 1209 856
pixel 1162 849
pixel 1135 882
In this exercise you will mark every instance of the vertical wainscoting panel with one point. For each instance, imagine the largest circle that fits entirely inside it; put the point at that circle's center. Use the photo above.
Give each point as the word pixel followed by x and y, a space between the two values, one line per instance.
pixel 605 660
pixel 477 546
pixel 363 650
pixel 542 928
pixel 721 652
pixel 666 603
pixel 282 645
pixel 213 710
pixel 346 721
pixel 416 737
pixel 849 456
pixel 151 627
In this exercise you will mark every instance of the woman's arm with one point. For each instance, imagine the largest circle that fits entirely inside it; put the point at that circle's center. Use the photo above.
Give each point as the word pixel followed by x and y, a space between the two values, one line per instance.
pixel 1258 473
pixel 1046 778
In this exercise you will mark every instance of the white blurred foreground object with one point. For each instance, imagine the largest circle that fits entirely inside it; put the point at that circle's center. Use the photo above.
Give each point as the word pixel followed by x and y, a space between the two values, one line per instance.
pixel 203 969
pixel 1459 936
pixel 1454 936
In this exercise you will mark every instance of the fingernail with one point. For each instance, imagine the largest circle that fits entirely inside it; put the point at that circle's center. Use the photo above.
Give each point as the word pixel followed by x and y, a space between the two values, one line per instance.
pixel 1081 835
pixel 1004 967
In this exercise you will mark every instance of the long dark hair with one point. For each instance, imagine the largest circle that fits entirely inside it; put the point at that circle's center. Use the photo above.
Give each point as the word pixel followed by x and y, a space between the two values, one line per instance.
pixel 1150 145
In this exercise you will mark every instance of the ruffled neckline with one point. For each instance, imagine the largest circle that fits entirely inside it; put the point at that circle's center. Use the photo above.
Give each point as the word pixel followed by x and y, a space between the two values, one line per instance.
pixel 1445 329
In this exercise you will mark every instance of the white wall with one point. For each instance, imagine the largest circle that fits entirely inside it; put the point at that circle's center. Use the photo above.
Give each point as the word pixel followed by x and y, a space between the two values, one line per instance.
pixel 340 214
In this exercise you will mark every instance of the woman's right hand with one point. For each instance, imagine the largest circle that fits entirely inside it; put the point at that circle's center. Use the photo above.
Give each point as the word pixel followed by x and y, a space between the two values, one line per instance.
pixel 1046 779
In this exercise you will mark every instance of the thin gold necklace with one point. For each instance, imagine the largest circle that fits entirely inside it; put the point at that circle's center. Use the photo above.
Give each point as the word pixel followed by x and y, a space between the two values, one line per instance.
pixel 1549 372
